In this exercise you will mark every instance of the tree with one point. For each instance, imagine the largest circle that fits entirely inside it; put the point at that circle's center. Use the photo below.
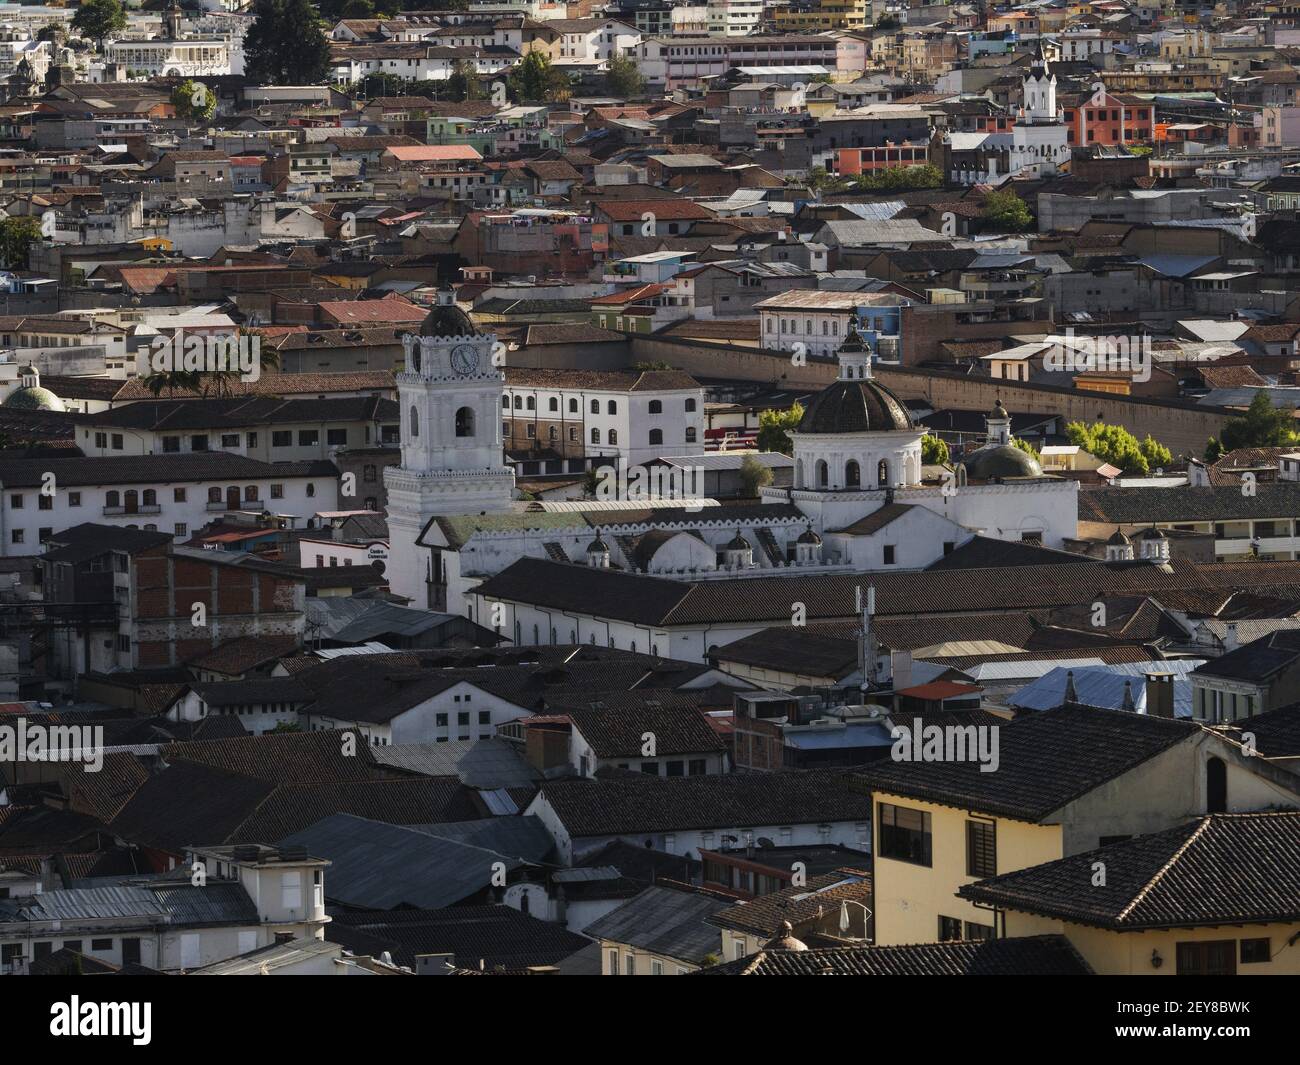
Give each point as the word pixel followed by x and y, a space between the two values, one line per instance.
pixel 590 483
pixel 357 9
pixel 1004 210
pixel 775 426
pixel 658 364
pixel 1119 447
pixel 17 235
pixel 1026 447
pixel 900 178
pixel 934 451
pixel 1213 450
pixel 98 19
pixel 1263 425
pixel 623 78
pixel 52 32
pixel 193 99
pixel 285 45
pixel 753 476
pixel 534 80
pixel 463 83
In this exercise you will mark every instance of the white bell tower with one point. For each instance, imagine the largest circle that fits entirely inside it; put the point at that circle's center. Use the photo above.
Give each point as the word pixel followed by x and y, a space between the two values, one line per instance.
pixel 449 397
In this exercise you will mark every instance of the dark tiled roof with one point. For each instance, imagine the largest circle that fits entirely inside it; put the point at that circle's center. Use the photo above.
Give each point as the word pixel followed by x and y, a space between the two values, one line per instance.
pixel 664 921
pixel 137 469
pixel 1046 760
pixel 764 915
pixel 244 653
pixel 632 804
pixel 1030 956
pixel 1114 506
pixel 284 758
pixel 1221 869
pixel 616 732
pixel 494 935
pixel 1258 660
pixel 795 651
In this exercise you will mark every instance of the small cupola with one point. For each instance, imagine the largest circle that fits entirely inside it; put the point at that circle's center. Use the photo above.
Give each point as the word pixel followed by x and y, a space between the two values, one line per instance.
pixel 738 551
pixel 598 553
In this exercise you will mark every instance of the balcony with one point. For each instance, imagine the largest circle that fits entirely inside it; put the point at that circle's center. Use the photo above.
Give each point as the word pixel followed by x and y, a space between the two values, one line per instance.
pixel 112 512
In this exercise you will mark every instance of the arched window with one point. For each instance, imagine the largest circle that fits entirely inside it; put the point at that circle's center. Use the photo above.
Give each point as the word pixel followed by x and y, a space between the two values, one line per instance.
pixel 505 402
pixel 214 495
pixel 113 499
pixel 531 403
pixel 573 406
pixel 415 358
pixel 519 402
pixel 690 434
pixel 368 474
pixel 823 474
pixel 250 491
pixel 465 422
pixel 611 407
pixel 690 406
pixel 372 503
pixel 415 421
pixel 595 436
pixel 311 490
pixel 613 436
pixel 1216 786
pixel 132 499
pixel 798 474
pixel 852 474
pixel 656 436
pixel 595 406
pixel 882 474
pixel 552 433
pixel 656 407
pixel 150 497
pixel 553 404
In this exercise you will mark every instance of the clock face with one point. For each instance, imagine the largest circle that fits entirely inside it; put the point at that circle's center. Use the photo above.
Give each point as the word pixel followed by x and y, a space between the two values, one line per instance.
pixel 464 359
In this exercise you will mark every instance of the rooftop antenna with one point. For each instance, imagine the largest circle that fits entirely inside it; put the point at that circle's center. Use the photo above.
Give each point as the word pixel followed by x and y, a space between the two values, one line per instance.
pixel 867 651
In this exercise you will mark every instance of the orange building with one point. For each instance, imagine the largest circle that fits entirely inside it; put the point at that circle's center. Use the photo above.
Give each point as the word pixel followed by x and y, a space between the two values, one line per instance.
pixel 850 161
pixel 1108 118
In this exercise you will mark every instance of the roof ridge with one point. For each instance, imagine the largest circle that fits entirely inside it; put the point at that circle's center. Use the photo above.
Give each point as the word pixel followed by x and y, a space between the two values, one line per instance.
pixel 1151 884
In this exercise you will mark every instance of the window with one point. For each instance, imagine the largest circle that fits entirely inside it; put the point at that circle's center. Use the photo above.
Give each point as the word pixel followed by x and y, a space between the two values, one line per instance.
pixel 181 529
pixel 904 834
pixel 230 440
pixel 656 407
pixel 44 502
pixel 251 439
pixel 101 944
pixel 1216 957
pixel 16 502
pixel 656 436
pixel 414 421
pixel 1255 951
pixel 214 496
pixel 308 437
pixel 131 951
pixel 465 422
pixel 74 499
pixel 889 554
pixel 505 402
pixel 949 929
pixel 981 849
pixel 690 434
pixel 595 436
pixel 553 404
pixel 178 495
pixel 101 441
pixel 291 889
pixel 532 403
pixel 573 406
pixel 171 444
pixel 978 932
pixel 17 536
pixel 197 443
pixel 595 406
pixel 336 437
pixel 613 963
pixel 282 438
pixel 277 491
pixel 117 442
pixel 611 407
pixel 690 406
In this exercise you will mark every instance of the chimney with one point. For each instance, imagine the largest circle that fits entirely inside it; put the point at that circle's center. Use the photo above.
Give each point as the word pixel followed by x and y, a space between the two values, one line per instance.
pixel 1230 637
pixel 1070 695
pixel 901 664
pixel 1128 703
pixel 1160 695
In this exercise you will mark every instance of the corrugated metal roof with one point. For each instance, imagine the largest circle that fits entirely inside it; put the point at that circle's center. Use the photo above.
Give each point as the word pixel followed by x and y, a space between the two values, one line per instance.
pixel 1104 686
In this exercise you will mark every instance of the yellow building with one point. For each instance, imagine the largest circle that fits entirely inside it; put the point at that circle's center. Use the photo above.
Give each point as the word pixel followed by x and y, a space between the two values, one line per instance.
pixel 1218 895
pixel 1062 782
pixel 824 15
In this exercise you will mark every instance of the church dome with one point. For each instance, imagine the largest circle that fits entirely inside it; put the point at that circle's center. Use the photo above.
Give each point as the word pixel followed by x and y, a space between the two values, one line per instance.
pixel 36 398
pixel 445 319
pixel 738 543
pixel 808 537
pixel 855 406
pixel 1001 460
pixel 1151 534
pixel 785 939
pixel 597 546
pixel 1117 538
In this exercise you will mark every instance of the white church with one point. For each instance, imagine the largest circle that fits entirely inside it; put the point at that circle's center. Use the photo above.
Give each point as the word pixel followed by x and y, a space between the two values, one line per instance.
pixel 858 502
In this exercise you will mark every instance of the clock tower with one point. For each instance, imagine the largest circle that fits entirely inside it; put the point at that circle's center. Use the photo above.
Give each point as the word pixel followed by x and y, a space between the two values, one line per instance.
pixel 449 397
